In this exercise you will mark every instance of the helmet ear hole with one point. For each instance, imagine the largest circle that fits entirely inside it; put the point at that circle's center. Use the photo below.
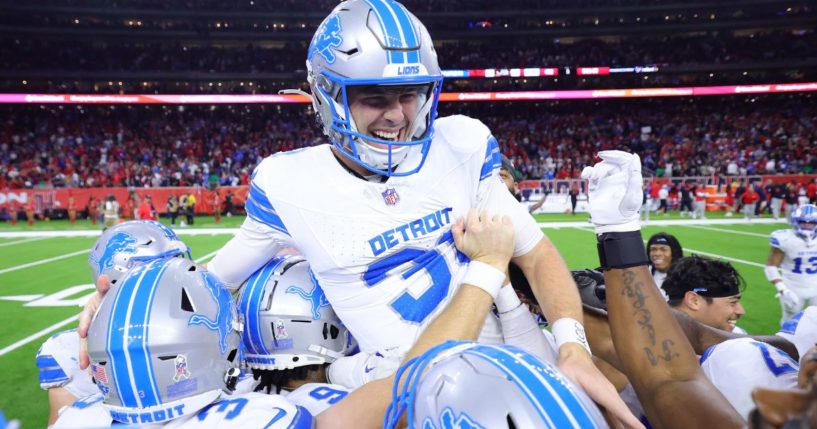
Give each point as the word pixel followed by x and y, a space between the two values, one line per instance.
pixel 334 331
pixel 511 424
pixel 186 304
pixel 232 355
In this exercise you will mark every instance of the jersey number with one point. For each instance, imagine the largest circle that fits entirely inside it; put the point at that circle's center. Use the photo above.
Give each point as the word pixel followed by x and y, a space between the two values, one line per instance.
pixel 413 309
pixel 332 396
pixel 777 366
pixel 798 266
pixel 222 407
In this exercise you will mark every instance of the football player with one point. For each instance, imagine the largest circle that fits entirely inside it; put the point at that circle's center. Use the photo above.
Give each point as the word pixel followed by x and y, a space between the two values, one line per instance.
pixel 801 329
pixel 291 335
pixel 707 290
pixel 118 249
pixel 373 210
pixel 794 251
pixel 663 249
pixel 164 349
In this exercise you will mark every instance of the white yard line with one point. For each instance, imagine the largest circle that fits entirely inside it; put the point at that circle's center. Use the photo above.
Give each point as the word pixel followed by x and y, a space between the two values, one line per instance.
pixel 59 325
pixel 39 334
pixel 29 240
pixel 97 232
pixel 43 261
pixel 730 231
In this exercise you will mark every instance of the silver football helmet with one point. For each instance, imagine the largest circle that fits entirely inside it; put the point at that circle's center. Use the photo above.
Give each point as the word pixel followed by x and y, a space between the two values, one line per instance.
pixel 465 384
pixel 288 322
pixel 165 342
pixel 804 221
pixel 125 245
pixel 374 43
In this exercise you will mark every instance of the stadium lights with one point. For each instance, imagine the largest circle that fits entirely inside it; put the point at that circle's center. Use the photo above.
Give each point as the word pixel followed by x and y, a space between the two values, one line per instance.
pixel 690 91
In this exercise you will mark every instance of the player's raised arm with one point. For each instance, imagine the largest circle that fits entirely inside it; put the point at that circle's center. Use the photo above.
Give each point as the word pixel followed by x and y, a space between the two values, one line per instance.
pixel 655 354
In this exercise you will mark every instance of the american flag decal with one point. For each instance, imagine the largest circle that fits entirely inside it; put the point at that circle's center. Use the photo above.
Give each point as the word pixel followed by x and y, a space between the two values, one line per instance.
pixel 99 374
pixel 390 196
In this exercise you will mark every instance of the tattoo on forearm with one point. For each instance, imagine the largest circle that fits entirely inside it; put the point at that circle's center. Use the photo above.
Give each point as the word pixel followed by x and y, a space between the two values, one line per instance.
pixel 635 290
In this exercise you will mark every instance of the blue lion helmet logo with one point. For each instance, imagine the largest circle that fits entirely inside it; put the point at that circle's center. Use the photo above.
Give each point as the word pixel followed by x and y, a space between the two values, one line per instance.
pixel 316 297
pixel 224 317
pixel 450 421
pixel 327 37
pixel 121 242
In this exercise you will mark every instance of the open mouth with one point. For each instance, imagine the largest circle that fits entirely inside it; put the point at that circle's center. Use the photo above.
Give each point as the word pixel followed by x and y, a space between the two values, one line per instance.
pixel 386 135
pixel 732 323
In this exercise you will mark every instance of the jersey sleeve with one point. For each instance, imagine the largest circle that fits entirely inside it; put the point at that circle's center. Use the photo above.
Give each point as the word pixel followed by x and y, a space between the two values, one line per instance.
pixel 317 397
pixel 776 239
pixel 262 235
pixel 253 245
pixel 58 364
pixel 494 197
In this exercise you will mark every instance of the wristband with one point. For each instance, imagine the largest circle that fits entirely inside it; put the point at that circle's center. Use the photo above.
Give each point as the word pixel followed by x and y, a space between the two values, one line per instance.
pixel 507 299
pixel 485 277
pixel 621 250
pixel 567 330
pixel 772 273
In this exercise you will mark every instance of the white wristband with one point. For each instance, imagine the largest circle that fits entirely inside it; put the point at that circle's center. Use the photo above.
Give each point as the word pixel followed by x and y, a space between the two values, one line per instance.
pixel 507 299
pixel 772 273
pixel 567 330
pixel 485 277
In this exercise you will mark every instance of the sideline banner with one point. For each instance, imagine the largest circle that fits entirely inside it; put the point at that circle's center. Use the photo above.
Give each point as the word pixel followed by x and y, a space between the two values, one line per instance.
pixel 42 200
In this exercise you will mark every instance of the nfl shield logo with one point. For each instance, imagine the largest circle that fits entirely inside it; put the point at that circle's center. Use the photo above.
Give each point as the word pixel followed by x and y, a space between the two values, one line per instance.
pixel 390 196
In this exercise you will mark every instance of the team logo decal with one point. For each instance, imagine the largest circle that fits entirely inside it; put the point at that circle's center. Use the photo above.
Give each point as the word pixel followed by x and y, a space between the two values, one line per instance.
pixel 224 318
pixel 327 37
pixel 316 296
pixel 121 242
pixel 390 196
pixel 181 368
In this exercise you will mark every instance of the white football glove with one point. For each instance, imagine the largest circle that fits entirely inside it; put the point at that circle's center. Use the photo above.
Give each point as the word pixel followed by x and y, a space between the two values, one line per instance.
pixel 615 193
pixel 788 298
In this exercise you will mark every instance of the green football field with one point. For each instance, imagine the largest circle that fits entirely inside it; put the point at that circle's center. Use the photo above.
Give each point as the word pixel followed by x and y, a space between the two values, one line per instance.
pixel 43 279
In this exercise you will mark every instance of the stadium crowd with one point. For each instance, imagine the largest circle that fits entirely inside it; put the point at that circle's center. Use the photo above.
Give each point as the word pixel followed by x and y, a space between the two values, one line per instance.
pixel 286 57
pixel 211 145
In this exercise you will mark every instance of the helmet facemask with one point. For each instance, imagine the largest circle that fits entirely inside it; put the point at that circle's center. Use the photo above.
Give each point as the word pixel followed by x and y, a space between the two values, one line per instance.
pixel 334 97
pixel 804 221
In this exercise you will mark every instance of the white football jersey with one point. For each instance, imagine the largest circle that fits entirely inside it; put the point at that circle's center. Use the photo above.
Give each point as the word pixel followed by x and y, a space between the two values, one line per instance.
pixel 382 252
pixel 250 410
pixel 801 330
pixel 738 366
pixel 317 397
pixel 58 362
pixel 799 264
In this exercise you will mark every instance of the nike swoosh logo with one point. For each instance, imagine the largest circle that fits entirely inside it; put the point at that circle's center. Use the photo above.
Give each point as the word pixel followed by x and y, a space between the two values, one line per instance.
pixel 368 370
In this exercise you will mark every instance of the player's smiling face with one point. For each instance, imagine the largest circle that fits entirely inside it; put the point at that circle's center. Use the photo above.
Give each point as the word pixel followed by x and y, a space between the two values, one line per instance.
pixel 384 112
pixel 722 313
pixel 661 257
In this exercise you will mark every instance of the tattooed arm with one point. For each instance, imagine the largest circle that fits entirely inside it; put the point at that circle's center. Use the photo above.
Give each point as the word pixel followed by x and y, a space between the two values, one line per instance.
pixel 658 359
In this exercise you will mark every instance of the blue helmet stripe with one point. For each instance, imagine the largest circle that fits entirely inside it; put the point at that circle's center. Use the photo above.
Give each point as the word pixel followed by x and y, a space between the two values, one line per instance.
pixel 554 401
pixel 252 309
pixel 392 34
pixel 115 337
pixel 411 41
pixel 128 337
pixel 492 159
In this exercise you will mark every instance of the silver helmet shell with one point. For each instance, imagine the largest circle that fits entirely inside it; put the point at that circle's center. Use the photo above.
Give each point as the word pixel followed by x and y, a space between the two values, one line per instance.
pixel 125 245
pixel 288 322
pixel 163 341
pixel 447 387
pixel 805 214
pixel 374 43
